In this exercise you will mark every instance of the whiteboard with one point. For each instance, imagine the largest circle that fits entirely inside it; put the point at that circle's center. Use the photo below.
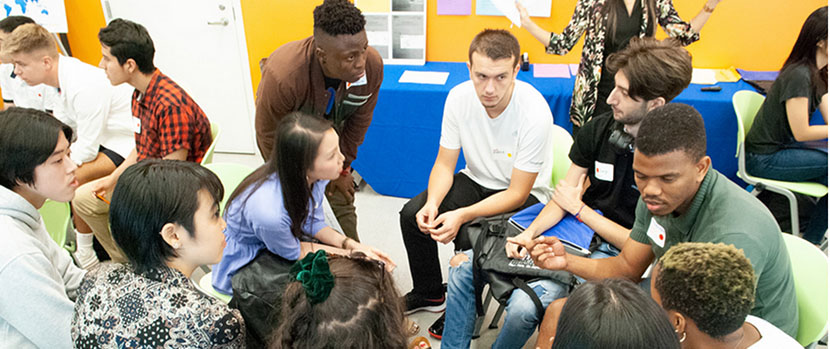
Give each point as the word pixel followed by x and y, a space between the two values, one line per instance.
pixel 51 14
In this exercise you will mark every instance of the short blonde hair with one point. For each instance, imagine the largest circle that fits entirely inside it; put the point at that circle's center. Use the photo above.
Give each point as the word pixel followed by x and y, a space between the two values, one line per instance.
pixel 28 38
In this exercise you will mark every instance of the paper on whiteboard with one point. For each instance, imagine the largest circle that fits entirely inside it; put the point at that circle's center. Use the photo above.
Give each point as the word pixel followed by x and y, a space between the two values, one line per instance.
pixel 412 41
pixel 378 38
pixel 424 77
pixel 509 10
pixel 535 8
pixel 51 14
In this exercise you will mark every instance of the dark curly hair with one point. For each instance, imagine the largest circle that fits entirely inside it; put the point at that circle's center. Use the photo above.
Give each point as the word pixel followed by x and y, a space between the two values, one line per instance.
pixel 713 284
pixel 126 40
pixel 336 17
pixel 362 311
pixel 672 127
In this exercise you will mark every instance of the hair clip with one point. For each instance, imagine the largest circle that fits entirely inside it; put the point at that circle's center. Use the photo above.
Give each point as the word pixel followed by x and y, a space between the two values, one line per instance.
pixel 314 274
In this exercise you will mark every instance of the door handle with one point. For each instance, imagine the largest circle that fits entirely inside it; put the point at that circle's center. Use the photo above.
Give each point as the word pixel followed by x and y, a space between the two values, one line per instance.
pixel 223 22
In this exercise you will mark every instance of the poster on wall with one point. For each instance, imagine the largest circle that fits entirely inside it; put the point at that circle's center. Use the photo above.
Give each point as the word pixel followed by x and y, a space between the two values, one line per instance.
pixel 397 29
pixel 51 14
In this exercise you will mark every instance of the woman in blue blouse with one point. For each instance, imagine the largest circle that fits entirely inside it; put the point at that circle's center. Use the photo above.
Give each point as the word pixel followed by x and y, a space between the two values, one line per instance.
pixel 279 206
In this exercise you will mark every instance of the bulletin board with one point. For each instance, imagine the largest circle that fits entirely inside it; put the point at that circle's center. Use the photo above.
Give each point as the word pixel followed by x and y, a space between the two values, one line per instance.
pixel 396 29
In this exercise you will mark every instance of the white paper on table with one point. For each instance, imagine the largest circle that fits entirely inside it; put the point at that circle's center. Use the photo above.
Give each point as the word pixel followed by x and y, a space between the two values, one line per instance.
pixel 378 38
pixel 704 76
pixel 508 8
pixel 424 77
pixel 412 41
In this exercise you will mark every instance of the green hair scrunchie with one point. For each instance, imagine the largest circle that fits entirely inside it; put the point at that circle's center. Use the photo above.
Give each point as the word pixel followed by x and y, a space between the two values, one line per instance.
pixel 314 274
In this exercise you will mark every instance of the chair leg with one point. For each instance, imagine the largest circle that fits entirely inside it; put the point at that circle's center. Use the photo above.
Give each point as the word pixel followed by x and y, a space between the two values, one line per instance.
pixel 793 213
pixel 495 322
pixel 480 319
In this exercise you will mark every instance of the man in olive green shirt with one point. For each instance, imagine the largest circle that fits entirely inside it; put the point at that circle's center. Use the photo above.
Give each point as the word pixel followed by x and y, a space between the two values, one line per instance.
pixel 683 199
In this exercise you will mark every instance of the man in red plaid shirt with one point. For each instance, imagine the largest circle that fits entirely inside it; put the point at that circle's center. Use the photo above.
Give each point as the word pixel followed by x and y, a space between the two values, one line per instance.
pixel 168 124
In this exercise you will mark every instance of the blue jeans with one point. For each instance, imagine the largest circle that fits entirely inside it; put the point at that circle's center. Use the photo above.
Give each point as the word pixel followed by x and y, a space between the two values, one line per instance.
pixel 798 165
pixel 519 323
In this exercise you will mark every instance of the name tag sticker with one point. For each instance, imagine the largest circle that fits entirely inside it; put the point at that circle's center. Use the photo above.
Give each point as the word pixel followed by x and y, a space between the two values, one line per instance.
pixel 603 171
pixel 136 125
pixel 360 82
pixel 656 233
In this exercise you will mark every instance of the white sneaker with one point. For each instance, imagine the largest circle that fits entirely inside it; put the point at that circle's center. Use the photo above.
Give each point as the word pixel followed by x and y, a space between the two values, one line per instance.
pixel 86 258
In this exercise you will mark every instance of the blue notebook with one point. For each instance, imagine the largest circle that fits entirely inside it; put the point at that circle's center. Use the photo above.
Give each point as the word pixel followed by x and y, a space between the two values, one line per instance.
pixel 575 235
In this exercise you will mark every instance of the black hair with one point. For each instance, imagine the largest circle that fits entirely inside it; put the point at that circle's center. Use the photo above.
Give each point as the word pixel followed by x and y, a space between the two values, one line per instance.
pixel 362 311
pixel 336 17
pixel 674 126
pixel 28 138
pixel 812 32
pixel 129 40
pixel 8 24
pixel 613 313
pixel 149 195
pixel 611 12
pixel 296 143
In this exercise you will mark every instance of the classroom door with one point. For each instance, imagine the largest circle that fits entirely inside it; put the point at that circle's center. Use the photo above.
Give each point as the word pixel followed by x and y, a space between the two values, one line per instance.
pixel 200 44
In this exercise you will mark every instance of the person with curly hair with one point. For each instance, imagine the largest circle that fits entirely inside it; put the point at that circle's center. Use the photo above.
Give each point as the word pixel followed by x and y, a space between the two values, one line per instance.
pixel 333 74
pixel 608 26
pixel 708 291
pixel 340 302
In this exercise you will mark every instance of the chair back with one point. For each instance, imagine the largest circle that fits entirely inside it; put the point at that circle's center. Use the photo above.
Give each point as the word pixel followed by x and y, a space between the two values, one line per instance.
pixel 214 134
pixel 746 104
pixel 810 275
pixel 230 175
pixel 56 219
pixel 562 142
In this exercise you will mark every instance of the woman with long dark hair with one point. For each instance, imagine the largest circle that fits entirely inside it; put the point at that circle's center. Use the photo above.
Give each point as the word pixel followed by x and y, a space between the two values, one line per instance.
pixel 608 26
pixel 340 302
pixel 279 207
pixel 774 144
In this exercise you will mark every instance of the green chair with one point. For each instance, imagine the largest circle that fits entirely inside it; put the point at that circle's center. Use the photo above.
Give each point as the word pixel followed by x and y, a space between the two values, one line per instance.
pixel 214 134
pixel 56 218
pixel 747 104
pixel 562 142
pixel 230 175
pixel 205 283
pixel 810 274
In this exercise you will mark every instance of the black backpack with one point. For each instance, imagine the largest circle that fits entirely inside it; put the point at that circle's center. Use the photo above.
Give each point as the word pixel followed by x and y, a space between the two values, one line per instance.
pixel 492 266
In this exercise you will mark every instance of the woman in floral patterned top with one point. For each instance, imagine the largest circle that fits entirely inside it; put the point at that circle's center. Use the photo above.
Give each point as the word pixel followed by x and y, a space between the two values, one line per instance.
pixel 165 217
pixel 604 23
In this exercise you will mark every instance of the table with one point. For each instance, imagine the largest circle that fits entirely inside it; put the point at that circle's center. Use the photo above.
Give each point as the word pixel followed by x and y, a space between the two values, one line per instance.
pixel 402 142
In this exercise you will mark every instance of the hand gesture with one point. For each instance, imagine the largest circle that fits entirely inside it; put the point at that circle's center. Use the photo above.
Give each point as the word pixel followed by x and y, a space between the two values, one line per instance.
pixel 104 187
pixel 426 217
pixel 549 253
pixel 343 184
pixel 446 226
pixel 377 255
pixel 516 246
pixel 569 197
pixel 524 16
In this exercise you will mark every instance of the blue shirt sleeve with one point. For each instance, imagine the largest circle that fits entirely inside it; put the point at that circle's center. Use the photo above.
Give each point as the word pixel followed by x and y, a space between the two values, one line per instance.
pixel 316 220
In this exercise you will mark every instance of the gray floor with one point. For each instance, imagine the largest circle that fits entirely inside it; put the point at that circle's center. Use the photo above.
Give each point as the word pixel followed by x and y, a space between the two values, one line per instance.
pixel 378 226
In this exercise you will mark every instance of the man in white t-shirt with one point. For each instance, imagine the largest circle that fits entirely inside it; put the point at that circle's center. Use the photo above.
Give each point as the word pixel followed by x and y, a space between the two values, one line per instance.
pixel 99 113
pixel 15 91
pixel 503 127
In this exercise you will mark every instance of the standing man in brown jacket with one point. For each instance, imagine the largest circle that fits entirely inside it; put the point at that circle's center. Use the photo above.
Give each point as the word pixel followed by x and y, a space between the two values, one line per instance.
pixel 333 74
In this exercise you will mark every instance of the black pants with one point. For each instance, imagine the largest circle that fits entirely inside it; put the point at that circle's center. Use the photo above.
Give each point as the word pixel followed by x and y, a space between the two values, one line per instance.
pixel 421 249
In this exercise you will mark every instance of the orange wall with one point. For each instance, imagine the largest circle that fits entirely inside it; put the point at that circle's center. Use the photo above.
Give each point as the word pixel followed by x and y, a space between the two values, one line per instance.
pixel 749 34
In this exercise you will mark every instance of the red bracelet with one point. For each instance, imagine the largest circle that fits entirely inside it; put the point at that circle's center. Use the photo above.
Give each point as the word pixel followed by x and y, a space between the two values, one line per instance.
pixel 578 212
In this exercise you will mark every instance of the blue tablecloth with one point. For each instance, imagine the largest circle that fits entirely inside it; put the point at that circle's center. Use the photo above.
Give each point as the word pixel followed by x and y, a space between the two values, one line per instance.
pixel 402 142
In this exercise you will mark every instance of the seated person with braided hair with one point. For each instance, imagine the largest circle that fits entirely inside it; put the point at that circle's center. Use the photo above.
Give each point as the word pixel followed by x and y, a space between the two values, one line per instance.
pixel 708 291
pixel 340 302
